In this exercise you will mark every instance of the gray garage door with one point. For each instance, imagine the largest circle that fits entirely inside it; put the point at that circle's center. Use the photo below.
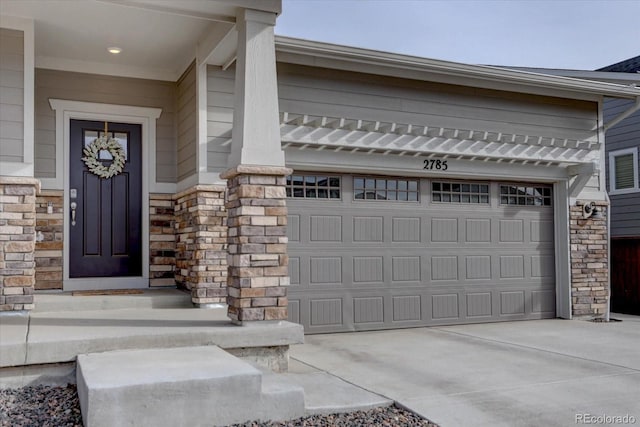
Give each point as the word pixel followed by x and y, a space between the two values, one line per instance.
pixel 371 252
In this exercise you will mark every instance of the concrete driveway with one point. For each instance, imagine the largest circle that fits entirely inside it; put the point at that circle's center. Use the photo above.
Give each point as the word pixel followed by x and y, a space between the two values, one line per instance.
pixel 534 373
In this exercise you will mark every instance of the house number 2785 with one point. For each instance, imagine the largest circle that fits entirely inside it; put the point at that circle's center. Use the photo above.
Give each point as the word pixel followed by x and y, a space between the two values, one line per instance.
pixel 433 164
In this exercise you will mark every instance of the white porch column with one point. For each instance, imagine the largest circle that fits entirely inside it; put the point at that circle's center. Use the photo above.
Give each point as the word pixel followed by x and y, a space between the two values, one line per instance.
pixel 256 129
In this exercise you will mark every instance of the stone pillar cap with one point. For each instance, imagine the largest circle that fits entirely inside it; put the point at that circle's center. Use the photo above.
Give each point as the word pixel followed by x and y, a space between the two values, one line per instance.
pixel 256 170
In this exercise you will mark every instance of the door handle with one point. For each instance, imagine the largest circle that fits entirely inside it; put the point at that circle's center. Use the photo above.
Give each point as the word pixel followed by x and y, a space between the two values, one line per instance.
pixel 74 205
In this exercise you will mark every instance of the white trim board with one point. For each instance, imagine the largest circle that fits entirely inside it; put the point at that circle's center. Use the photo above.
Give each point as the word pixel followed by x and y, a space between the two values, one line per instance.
pixel 72 110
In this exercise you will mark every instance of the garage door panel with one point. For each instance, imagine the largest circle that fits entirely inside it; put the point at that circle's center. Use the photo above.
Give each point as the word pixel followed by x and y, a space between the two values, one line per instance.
pixel 541 231
pixel 444 268
pixel 542 266
pixel 543 301
pixel 511 231
pixel 512 303
pixel 294 270
pixel 293 308
pixel 406 229
pixel 477 267
pixel 325 270
pixel 444 230
pixel 478 230
pixel 368 229
pixel 368 269
pixel 388 264
pixel 407 308
pixel 406 269
pixel 326 312
pixel 445 306
pixel 512 267
pixel 293 228
pixel 368 310
pixel 325 228
pixel 479 304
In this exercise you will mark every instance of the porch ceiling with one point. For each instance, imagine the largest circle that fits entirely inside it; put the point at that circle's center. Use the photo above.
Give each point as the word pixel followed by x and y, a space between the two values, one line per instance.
pixel 158 38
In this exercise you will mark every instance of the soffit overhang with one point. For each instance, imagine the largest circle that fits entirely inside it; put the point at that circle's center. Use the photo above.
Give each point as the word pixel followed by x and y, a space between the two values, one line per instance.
pixel 159 38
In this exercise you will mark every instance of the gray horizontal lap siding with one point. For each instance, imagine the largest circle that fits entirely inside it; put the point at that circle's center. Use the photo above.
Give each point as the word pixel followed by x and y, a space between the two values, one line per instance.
pixel 109 90
pixel 220 88
pixel 315 91
pixel 187 124
pixel 625 208
pixel 332 93
pixel 11 95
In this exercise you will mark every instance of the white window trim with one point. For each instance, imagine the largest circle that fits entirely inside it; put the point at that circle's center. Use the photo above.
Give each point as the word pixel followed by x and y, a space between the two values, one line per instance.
pixel 612 165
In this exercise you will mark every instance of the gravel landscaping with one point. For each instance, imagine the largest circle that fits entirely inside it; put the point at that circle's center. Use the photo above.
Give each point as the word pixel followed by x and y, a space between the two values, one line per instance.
pixel 40 406
pixel 47 406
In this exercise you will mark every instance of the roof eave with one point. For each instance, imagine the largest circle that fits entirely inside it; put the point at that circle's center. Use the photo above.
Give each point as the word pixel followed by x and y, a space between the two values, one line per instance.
pixel 334 54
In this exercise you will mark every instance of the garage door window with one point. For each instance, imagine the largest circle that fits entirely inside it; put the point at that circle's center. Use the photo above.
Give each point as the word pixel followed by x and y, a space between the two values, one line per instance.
pixel 525 196
pixel 371 188
pixel 313 186
pixel 460 192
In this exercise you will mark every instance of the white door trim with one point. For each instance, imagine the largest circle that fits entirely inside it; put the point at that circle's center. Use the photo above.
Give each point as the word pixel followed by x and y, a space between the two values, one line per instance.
pixel 70 110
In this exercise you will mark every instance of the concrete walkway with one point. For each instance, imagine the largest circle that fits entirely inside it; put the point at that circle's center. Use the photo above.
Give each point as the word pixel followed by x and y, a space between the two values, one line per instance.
pixel 41 347
pixel 533 373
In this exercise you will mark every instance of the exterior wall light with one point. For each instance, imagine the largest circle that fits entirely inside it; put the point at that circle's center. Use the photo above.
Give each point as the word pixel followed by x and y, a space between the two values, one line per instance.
pixel 590 210
pixel 114 50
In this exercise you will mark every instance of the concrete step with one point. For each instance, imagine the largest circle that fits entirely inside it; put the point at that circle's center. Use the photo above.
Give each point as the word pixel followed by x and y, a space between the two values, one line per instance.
pixel 149 298
pixel 188 386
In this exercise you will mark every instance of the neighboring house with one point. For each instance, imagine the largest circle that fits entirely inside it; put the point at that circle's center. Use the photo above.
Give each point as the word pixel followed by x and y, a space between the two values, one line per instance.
pixel 423 192
pixel 623 172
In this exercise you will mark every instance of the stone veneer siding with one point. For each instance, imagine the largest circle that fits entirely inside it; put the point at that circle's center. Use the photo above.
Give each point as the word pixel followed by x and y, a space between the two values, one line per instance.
pixel 49 226
pixel 258 274
pixel 589 240
pixel 17 242
pixel 162 240
pixel 201 243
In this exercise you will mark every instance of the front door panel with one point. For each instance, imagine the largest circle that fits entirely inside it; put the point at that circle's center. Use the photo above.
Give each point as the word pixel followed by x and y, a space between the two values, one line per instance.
pixel 105 240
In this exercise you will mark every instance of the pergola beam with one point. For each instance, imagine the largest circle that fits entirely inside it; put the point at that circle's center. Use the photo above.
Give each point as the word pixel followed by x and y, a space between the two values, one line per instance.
pixel 388 137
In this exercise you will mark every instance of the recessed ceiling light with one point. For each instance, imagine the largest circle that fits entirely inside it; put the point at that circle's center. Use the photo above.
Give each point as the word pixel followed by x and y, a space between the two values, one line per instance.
pixel 115 50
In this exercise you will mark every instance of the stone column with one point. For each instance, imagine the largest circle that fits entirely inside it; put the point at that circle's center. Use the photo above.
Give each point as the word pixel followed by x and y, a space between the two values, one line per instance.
pixel 589 239
pixel 49 248
pixel 162 240
pixel 258 275
pixel 201 242
pixel 17 242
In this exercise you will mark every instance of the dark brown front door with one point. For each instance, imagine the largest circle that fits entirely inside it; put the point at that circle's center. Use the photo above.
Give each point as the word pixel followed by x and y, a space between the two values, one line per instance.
pixel 105 240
